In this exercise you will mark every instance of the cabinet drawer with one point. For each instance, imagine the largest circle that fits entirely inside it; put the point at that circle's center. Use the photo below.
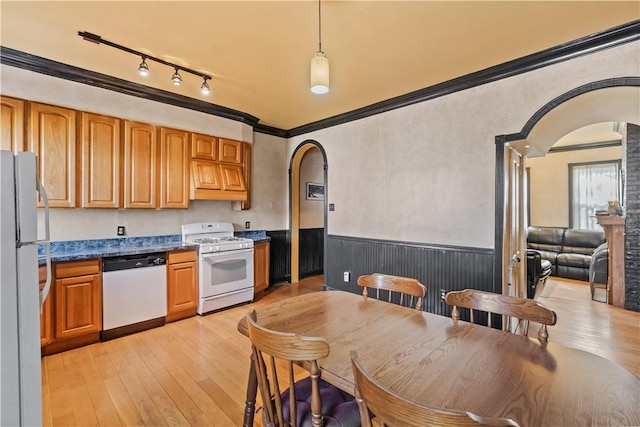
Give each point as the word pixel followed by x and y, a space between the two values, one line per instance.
pixel 182 256
pixel 77 268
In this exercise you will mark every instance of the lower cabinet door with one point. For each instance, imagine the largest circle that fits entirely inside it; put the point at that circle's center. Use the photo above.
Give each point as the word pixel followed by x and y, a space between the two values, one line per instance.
pixel 260 266
pixel 182 292
pixel 78 306
pixel 46 334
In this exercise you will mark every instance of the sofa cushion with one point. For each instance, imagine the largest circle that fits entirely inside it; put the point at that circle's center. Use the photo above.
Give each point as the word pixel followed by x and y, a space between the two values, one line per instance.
pixel 545 239
pixel 574 260
pixel 582 241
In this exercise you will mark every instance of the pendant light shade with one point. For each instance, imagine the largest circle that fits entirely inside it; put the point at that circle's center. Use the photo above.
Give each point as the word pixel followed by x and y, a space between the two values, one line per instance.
pixel 319 63
pixel 319 73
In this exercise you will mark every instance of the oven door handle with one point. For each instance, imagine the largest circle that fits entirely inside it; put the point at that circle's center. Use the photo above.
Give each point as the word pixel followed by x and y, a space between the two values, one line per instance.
pixel 228 254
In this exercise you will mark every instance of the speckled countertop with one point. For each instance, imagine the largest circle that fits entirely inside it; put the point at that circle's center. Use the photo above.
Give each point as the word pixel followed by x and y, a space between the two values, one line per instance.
pixel 98 248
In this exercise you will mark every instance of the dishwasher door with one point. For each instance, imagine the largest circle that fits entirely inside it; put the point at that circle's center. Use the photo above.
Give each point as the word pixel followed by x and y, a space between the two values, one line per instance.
pixel 133 295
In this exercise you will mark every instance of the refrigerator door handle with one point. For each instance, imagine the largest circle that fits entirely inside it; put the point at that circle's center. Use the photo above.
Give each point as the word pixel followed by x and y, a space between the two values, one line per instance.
pixel 47 245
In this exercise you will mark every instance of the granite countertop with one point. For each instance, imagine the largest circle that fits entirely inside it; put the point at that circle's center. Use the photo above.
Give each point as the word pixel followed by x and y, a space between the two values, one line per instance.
pixel 98 248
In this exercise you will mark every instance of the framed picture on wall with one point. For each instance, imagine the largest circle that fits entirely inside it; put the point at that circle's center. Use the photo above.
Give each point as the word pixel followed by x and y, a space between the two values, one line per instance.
pixel 315 191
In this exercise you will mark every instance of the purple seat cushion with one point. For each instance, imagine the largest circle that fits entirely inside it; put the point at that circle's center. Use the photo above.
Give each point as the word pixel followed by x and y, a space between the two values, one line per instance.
pixel 339 409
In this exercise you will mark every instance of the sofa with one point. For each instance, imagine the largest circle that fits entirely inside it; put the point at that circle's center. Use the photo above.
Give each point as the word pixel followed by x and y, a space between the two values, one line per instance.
pixel 568 250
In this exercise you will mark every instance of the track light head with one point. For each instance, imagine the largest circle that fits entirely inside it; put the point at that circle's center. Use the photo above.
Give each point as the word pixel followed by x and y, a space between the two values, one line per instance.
pixel 143 68
pixel 176 79
pixel 204 88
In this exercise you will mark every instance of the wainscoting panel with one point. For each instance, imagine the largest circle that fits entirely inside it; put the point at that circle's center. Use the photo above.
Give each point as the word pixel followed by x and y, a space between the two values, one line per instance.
pixel 311 255
pixel 436 266
pixel 279 256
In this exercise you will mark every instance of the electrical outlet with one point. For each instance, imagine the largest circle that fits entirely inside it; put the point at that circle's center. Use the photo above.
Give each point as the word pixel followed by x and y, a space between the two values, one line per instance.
pixel 346 276
pixel 121 230
pixel 443 294
pixel 332 207
pixel 247 224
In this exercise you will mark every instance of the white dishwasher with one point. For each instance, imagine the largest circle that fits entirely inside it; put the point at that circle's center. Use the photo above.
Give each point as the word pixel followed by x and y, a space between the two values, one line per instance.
pixel 134 293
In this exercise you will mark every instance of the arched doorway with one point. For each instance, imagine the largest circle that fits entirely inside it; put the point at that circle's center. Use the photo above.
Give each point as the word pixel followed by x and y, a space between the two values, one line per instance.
pixel 295 201
pixel 615 99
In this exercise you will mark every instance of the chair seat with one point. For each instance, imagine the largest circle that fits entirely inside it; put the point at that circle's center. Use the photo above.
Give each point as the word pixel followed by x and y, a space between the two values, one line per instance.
pixel 339 409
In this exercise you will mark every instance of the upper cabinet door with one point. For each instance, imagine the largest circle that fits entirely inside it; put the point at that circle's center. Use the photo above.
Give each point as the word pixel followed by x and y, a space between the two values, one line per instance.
pixel 52 136
pixel 174 168
pixel 232 178
pixel 204 147
pixel 12 124
pixel 140 165
pixel 230 151
pixel 100 148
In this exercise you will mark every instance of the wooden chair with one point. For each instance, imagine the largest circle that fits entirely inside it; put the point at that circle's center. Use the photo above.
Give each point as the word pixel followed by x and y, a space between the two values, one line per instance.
pixel 522 309
pixel 406 287
pixel 310 401
pixel 392 410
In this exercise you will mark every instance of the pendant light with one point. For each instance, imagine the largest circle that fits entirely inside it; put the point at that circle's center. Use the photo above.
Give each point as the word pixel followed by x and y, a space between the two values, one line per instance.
pixel 319 64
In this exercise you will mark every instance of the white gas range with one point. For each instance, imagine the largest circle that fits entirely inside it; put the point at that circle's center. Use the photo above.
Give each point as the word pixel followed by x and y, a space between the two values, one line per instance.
pixel 225 265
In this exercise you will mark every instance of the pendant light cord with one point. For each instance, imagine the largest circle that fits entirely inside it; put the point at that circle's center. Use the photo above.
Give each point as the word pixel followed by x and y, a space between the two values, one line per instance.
pixel 319 27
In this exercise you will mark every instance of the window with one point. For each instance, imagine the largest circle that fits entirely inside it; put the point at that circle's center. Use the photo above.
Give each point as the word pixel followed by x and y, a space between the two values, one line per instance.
pixel 591 186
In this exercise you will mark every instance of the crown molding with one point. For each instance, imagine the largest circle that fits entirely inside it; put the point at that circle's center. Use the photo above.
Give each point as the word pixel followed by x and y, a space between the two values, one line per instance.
pixel 622 34
pixel 38 64
pixel 586 146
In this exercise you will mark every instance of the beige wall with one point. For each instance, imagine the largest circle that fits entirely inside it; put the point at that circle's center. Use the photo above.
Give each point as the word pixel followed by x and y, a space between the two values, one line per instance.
pixel 549 183
pixel 269 201
pixel 426 173
pixel 422 173
pixel 311 170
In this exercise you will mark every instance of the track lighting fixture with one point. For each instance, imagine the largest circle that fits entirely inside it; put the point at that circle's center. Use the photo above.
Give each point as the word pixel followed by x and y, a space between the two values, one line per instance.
pixel 204 88
pixel 319 64
pixel 143 68
pixel 176 78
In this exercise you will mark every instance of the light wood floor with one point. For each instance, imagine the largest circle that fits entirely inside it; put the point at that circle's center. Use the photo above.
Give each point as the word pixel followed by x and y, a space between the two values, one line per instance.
pixel 194 372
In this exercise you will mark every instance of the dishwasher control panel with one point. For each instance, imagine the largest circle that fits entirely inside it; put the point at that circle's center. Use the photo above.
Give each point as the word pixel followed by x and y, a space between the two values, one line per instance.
pixel 127 262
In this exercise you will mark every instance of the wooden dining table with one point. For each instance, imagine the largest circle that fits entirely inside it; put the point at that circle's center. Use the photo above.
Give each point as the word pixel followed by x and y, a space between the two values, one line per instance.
pixel 436 361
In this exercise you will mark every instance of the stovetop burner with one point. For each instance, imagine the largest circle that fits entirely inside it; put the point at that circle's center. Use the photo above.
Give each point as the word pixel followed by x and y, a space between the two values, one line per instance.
pixel 214 237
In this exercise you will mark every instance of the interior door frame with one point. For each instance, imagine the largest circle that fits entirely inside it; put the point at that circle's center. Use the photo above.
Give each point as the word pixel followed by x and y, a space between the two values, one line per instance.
pixel 602 114
pixel 294 205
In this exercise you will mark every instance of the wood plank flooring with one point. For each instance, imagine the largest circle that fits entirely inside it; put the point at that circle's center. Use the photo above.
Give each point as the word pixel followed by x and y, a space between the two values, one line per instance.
pixel 193 372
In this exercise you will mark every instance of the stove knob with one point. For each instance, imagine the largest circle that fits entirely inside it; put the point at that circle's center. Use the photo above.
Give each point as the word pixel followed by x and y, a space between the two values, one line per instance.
pixel 216 249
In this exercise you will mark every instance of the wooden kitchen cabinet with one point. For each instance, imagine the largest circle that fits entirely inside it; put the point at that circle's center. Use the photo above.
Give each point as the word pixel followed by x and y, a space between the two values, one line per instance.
pixel 77 304
pixel 230 151
pixel 46 320
pixel 246 170
pixel 99 154
pixel 11 124
pixel 204 147
pixel 260 266
pixel 174 168
pixel 52 136
pixel 182 284
pixel 140 165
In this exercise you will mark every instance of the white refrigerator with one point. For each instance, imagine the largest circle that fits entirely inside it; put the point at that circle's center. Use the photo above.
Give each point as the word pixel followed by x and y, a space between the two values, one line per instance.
pixel 20 298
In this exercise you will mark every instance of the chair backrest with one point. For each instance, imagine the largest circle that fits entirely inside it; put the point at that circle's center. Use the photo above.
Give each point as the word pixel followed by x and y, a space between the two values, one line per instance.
pixel 390 409
pixel 522 309
pixel 269 345
pixel 411 292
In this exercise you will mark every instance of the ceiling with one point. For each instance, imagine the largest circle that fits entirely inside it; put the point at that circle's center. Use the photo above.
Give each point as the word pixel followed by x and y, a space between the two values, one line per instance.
pixel 259 52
